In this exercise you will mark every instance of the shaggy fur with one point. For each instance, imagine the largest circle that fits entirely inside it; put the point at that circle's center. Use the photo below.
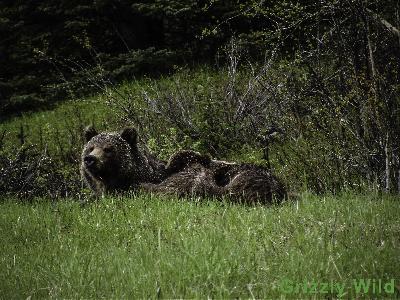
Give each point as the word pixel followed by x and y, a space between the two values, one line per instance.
pixel 181 159
pixel 190 173
pixel 250 183
pixel 115 161
pixel 193 180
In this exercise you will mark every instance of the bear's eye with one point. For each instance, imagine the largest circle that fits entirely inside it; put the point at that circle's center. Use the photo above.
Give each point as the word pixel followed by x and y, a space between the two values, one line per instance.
pixel 108 150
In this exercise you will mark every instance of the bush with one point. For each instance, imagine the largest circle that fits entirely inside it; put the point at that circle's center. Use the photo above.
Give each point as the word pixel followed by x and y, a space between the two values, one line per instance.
pixel 30 173
pixel 315 125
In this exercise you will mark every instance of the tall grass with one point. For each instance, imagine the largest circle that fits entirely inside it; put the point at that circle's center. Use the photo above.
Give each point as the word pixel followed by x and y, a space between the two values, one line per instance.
pixel 145 246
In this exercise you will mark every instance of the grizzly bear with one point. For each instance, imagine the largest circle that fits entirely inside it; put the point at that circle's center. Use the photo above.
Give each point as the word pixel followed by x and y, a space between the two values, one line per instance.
pixel 190 172
pixel 192 180
pixel 115 161
pixel 250 183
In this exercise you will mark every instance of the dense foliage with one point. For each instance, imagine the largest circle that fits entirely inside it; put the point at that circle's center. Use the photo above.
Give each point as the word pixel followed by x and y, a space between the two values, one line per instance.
pixel 323 75
pixel 47 48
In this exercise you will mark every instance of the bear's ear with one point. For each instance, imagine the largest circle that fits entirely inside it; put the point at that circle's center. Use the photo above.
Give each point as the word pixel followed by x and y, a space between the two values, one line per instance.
pixel 89 132
pixel 129 134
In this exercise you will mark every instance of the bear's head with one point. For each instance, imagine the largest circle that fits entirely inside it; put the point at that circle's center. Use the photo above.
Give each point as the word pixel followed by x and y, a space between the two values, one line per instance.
pixel 108 157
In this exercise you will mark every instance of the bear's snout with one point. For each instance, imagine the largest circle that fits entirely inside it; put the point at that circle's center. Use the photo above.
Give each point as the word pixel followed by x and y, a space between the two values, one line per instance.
pixel 89 160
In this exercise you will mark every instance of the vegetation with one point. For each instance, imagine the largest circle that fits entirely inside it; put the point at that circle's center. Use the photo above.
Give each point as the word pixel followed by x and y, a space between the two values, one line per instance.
pixel 47 49
pixel 310 89
pixel 324 75
pixel 156 247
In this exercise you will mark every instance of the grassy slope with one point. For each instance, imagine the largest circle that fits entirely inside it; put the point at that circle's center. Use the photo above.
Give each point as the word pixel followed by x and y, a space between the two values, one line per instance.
pixel 55 125
pixel 149 247
pixel 75 114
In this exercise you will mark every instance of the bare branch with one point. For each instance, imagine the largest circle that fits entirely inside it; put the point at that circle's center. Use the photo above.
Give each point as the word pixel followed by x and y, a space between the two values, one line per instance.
pixel 385 23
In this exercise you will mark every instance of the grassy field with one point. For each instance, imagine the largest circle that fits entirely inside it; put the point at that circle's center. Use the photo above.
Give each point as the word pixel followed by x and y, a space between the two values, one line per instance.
pixel 145 246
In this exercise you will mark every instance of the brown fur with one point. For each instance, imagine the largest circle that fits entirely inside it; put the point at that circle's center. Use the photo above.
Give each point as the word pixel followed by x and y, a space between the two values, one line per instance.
pixel 181 159
pixel 251 183
pixel 190 173
pixel 193 180
pixel 114 161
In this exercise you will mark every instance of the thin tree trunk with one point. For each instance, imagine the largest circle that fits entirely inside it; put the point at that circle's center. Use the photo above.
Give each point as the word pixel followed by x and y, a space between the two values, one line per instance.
pixel 385 23
pixel 397 160
pixel 398 181
pixel 387 163
pixel 374 75
pixel 371 55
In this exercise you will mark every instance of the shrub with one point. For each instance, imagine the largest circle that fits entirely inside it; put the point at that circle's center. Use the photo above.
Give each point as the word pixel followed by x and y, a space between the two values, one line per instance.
pixel 30 173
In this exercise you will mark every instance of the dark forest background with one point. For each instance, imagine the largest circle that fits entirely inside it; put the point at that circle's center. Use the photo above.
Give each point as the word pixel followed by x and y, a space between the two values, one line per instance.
pixel 45 44
pixel 324 73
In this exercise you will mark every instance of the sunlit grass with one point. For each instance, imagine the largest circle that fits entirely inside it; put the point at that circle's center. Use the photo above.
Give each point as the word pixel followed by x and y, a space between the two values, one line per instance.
pixel 145 246
pixel 161 247
pixel 60 129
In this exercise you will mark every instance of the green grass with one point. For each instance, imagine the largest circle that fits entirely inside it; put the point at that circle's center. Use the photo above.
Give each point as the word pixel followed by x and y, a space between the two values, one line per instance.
pixel 56 128
pixel 160 247
pixel 140 247
pixel 60 129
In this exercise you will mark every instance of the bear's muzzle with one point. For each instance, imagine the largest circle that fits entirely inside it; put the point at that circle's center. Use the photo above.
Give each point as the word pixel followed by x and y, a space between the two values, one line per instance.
pixel 89 160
